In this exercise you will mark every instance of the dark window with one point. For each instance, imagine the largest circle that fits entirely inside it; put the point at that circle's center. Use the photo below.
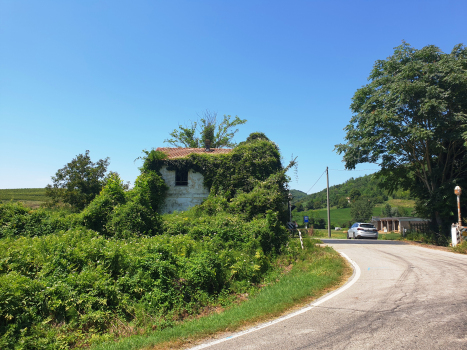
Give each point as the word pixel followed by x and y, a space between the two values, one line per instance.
pixel 181 178
pixel 367 225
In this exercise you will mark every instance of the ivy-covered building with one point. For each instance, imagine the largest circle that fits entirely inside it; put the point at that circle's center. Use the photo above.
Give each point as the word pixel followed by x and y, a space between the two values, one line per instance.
pixel 186 186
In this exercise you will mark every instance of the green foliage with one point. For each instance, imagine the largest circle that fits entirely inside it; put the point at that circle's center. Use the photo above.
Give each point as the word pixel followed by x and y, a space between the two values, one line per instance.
pixel 387 211
pixel 131 219
pixel 98 212
pixel 18 220
pixel 63 284
pixel 265 195
pixel 120 213
pixel 369 186
pixel 343 203
pixel 207 128
pixel 118 262
pixel 361 210
pixel 150 190
pixel 240 169
pixel 411 119
pixel 78 182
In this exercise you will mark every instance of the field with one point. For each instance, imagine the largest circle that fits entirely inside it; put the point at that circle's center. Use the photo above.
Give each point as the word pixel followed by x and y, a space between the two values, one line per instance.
pixel 32 197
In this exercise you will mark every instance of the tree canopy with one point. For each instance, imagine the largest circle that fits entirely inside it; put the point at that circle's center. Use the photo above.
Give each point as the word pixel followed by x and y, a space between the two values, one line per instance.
pixel 411 119
pixel 361 210
pixel 78 182
pixel 220 134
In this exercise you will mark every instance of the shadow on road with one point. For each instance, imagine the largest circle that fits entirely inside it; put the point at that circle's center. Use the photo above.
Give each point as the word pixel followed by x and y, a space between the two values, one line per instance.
pixel 359 241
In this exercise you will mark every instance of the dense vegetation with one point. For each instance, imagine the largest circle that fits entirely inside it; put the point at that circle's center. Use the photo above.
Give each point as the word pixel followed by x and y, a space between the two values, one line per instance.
pixel 119 267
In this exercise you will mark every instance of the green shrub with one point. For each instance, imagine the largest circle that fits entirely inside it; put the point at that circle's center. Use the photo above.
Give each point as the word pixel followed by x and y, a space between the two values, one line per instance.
pixel 16 220
pixel 97 213
pixel 131 219
pixel 265 195
pixel 150 190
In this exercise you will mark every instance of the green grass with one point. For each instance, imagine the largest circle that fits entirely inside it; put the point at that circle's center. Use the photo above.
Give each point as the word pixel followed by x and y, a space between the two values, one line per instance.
pixel 324 234
pixel 391 236
pixel 321 268
pixel 23 194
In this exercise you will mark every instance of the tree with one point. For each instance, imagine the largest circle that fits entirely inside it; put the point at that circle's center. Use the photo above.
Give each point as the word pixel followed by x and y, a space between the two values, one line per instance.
pixel 78 182
pixel 387 211
pixel 354 194
pixel 361 210
pixel 343 203
pixel 207 128
pixel 411 119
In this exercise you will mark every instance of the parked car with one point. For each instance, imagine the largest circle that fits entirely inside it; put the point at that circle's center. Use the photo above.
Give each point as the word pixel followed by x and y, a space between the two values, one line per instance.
pixel 362 230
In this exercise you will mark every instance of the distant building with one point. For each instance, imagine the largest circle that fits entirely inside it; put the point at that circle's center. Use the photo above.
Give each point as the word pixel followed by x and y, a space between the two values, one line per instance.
pixel 186 188
pixel 395 224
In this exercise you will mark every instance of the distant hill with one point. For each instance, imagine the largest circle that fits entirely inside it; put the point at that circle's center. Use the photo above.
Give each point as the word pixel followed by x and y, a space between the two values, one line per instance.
pixel 297 195
pixel 367 186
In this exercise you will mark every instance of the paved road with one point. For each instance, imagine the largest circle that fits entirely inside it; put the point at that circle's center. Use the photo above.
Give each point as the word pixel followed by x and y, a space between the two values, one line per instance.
pixel 407 297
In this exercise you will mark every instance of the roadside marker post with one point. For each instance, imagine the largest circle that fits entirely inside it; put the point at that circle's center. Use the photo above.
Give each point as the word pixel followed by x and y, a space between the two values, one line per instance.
pixel 457 230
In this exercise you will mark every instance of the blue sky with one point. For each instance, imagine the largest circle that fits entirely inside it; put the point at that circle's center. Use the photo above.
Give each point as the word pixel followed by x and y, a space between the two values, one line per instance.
pixel 117 77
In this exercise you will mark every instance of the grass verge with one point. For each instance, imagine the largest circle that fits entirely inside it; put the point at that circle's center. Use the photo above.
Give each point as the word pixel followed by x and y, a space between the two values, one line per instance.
pixel 315 273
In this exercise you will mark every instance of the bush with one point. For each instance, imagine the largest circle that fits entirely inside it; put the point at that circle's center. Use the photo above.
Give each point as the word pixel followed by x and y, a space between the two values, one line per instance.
pixel 98 212
pixel 150 190
pixel 131 219
pixel 18 220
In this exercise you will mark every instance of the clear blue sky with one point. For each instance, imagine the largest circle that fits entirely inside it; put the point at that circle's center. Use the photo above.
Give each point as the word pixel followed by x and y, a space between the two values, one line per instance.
pixel 117 77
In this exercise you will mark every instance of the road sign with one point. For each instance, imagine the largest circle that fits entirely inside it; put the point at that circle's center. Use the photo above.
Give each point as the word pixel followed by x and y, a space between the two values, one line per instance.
pixel 305 219
pixel 291 226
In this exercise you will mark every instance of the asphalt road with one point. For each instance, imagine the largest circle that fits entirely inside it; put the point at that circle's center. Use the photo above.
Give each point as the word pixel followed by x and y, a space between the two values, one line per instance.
pixel 406 297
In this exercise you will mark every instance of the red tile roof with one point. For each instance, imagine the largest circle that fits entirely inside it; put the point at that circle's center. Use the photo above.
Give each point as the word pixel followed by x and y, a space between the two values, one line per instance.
pixel 183 152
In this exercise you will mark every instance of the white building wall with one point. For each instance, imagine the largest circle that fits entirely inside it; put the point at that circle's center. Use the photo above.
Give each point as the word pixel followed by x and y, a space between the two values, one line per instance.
pixel 181 198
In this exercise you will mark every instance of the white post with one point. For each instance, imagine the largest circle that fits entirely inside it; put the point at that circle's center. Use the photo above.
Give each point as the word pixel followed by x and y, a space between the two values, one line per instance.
pixel 454 235
pixel 301 240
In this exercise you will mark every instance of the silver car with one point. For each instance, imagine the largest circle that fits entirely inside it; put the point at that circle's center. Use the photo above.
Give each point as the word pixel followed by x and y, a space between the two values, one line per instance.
pixel 362 230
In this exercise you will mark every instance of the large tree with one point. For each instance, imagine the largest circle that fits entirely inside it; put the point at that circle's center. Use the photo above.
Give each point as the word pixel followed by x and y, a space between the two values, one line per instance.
pixel 411 119
pixel 78 182
pixel 220 134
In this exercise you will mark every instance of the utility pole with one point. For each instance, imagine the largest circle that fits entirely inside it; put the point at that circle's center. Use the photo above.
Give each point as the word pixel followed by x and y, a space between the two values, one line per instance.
pixel 329 212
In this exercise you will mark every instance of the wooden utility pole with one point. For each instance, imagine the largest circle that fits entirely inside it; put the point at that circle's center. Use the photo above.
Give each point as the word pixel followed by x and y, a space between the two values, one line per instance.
pixel 329 212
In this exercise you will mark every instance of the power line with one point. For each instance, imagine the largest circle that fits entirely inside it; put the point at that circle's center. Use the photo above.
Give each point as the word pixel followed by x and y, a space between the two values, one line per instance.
pixel 354 169
pixel 316 182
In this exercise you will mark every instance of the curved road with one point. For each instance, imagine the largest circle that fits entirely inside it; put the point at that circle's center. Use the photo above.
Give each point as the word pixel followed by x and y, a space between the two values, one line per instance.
pixel 407 297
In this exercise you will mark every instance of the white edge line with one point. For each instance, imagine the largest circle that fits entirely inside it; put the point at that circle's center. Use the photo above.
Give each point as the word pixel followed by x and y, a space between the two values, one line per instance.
pixel 321 300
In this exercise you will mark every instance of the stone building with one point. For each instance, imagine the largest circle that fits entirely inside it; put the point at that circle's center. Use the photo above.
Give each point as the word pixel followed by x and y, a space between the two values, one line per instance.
pixel 395 224
pixel 186 188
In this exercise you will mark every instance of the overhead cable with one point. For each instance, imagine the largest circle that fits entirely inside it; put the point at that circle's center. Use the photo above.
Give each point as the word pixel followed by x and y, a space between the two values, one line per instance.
pixel 316 182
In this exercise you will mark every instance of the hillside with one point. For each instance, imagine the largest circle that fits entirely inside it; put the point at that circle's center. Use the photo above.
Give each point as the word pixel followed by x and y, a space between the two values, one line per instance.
pixel 297 195
pixel 367 186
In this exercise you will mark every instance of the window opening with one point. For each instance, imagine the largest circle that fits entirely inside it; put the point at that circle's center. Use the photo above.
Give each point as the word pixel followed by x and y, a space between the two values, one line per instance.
pixel 181 178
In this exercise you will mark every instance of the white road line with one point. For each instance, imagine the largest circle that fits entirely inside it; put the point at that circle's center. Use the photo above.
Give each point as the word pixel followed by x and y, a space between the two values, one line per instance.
pixel 321 300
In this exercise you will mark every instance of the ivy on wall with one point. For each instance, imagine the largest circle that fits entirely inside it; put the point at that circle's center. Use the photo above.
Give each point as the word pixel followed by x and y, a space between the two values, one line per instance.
pixel 250 178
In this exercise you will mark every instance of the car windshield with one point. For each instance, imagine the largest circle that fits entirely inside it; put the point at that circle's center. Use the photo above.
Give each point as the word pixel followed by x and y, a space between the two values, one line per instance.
pixel 367 225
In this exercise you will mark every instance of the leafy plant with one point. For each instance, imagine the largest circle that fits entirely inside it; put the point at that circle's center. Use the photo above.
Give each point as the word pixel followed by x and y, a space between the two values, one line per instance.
pixel 78 182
